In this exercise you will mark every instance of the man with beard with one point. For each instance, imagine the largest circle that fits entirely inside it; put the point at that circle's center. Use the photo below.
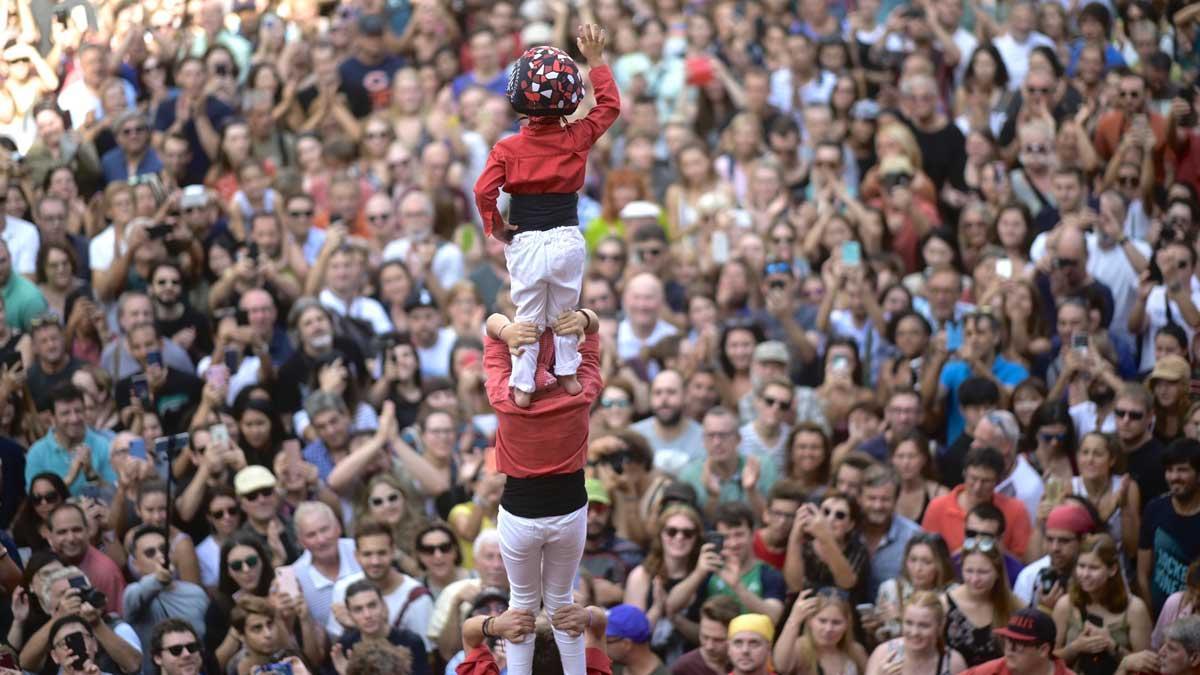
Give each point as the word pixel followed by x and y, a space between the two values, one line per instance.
pixel 628 640
pixel 701 392
pixel 68 537
pixel 750 637
pixel 174 318
pixel 885 532
pixel 368 613
pixel 134 309
pixel 1134 410
pixel 432 340
pixel 712 656
pixel 606 556
pixel 314 326
pixel 624 464
pixel 407 603
pixel 901 416
pixel 675 439
pixel 1170 535
pixel 1046 579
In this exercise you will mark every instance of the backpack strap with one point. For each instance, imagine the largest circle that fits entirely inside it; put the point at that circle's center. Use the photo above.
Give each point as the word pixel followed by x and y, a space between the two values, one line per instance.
pixel 413 595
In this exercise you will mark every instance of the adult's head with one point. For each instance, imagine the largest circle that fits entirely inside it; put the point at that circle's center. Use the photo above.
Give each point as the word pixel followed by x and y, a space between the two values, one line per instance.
pixel 880 490
pixel 68 532
pixel 750 637
pixel 720 429
pixel 67 632
pixel 999 429
pixel 715 615
pixel 976 396
pixel 176 648
pixel 318 530
pixel 773 402
pixel 245 566
pixel 368 611
pixel 133 133
pixel 983 468
pixel 1181 462
pixel 254 618
pixel 1069 273
pixel 1028 641
pixel 627 634
pixel 1066 526
pixel 643 301
pixel 255 488
pixel 66 406
pixel 1180 652
pixel 808 454
pixel 1134 410
pixel 374 549
pixel 149 549
pixel 330 418
pixel 666 397
pixel 488 562
pixel 735 521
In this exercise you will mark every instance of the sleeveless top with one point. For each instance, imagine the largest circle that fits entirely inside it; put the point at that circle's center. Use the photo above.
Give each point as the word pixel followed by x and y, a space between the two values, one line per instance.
pixel 896 646
pixel 976 644
pixel 1119 632
pixel 1114 521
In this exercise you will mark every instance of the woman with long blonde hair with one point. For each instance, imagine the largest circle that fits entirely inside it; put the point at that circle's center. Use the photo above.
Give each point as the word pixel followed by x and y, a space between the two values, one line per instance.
pixel 827 645
pixel 981 602
pixel 921 649
pixel 1099 620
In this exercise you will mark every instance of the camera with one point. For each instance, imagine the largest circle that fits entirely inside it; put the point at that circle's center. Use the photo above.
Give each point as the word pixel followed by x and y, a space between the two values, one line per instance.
pixel 87 594
pixel 253 251
pixel 1047 578
pixel 159 231
pixel 616 460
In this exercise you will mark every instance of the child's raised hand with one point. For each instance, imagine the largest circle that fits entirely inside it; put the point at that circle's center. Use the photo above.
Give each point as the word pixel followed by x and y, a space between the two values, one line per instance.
pixel 591 41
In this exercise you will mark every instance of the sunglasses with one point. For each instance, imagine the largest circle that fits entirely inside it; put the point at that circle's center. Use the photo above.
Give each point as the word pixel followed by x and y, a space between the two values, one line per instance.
pixel 1134 415
pixel 833 592
pixel 390 499
pixel 129 131
pixel 178 650
pixel 1130 94
pixel 779 404
pixel 1052 438
pixel 614 403
pixel 610 257
pixel 300 214
pixel 223 513
pixel 48 498
pixel 836 515
pixel 685 532
pixel 777 285
pixel 1039 90
pixel 248 564
pixel 1129 181
pixel 428 549
pixel 259 494
pixel 982 544
pixel 652 252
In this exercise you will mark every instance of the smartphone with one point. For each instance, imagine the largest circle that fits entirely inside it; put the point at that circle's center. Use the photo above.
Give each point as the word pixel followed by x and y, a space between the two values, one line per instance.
pixel 286 577
pixel 217 375
pixel 137 448
pixel 841 364
pixel 1079 341
pixel 219 433
pixel 720 247
pixel 864 609
pixel 141 389
pixel 1004 268
pixel 153 358
pixel 78 650
pixel 232 357
pixel 162 449
pixel 852 253
pixel 159 231
pixel 1095 619
pixel 716 539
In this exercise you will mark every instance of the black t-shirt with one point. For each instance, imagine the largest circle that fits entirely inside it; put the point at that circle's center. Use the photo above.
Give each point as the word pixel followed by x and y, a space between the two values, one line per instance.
pixel 950 461
pixel 41 384
pixel 398 637
pixel 1175 541
pixel 217 113
pixel 176 398
pixel 203 344
pixel 1145 465
pixel 943 154
pixel 357 98
pixel 294 374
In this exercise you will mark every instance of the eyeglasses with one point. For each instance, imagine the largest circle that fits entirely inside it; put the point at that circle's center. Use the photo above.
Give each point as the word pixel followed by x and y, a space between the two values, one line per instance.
pixel 378 217
pixel 1039 90
pixel 259 494
pixel 836 515
pixel 1134 415
pixel 249 563
pixel 685 532
pixel 1129 181
pixel 1052 438
pixel 429 549
pixel 614 403
pixel 1126 93
pixel 139 129
pixel 224 513
pixel 1062 263
pixel 177 650
pixel 719 435
pixel 779 404
pixel 390 499
pixel 777 285
pixel 981 544
pixel 47 498
pixel 301 214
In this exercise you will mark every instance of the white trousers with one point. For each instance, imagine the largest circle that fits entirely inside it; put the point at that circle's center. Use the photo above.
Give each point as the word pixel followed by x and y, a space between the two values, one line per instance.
pixel 541 556
pixel 546 271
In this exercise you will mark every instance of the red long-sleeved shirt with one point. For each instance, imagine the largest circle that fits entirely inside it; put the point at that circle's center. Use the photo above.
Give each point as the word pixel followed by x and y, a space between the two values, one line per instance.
pixel 551 435
pixel 546 157
pixel 480 661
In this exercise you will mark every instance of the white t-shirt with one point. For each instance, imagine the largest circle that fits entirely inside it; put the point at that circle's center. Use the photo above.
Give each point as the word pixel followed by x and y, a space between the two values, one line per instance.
pixel 361 308
pixel 435 360
pixel 1016 55
pixel 1025 484
pixel 629 345
pixel 447 264
pixel 1113 269
pixel 23 242
pixel 1156 316
pixel 100 250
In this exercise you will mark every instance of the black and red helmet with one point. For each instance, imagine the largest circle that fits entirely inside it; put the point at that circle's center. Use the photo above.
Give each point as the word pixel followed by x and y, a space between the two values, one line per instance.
pixel 545 81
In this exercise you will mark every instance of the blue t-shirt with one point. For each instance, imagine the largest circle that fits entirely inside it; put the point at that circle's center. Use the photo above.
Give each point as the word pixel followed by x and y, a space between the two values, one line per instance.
pixel 956 372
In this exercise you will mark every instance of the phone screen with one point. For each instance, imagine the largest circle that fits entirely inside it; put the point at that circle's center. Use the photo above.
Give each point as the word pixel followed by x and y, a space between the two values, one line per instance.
pixel 137 448
pixel 851 253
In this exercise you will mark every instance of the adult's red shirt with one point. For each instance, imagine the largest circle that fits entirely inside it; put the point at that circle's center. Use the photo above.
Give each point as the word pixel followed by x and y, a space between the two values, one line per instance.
pixel 481 662
pixel 551 435
pixel 1000 667
pixel 945 516
pixel 773 558
pixel 546 157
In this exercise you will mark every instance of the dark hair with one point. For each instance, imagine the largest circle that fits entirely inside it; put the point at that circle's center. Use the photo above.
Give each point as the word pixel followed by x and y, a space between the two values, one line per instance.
pixel 362 586
pixel 730 327
pixel 947 237
pixel 990 512
pixel 1050 413
pixel 1098 13
pixel 985 458
pixel 43 255
pixel 1176 331
pixel 64 392
pixel 226 586
pixel 65 506
pixel 978 391
pixel 66 621
pixel 169 625
pixel 733 514
pixel 808 428
pixel 1182 451
pixel 25 525
pixel 1000 77
pixel 720 608
pixel 438 526
pixel 369 527
pixel 788 490
pixel 145 531
pixel 1052 57
pixel 894 323
pixel 373 657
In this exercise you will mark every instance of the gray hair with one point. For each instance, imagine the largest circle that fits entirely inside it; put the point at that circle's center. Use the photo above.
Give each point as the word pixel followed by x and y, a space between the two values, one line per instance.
pixel 879 474
pixel 50 579
pixel 485 538
pixel 323 401
pixel 129 116
pixel 1007 423
pixel 313 508
pixel 1186 632
pixel 301 306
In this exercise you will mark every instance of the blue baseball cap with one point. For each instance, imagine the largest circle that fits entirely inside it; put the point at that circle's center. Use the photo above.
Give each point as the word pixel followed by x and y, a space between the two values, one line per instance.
pixel 627 622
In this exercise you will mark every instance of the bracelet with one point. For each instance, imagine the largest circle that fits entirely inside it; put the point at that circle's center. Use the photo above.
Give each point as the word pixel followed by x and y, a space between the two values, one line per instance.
pixel 487 621
pixel 587 320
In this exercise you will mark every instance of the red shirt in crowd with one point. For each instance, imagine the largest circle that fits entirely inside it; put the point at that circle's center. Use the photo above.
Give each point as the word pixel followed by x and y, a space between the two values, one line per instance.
pixel 546 157
pixel 551 435
pixel 773 558
pixel 1000 667
pixel 946 517
pixel 481 662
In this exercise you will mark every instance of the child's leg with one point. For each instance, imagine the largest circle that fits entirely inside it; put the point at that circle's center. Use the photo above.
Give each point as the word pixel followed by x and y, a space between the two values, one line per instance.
pixel 564 278
pixel 560 564
pixel 526 267
pixel 521 542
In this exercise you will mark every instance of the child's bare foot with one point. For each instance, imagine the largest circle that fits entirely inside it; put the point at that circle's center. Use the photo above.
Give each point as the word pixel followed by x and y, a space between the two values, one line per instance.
pixel 522 398
pixel 570 383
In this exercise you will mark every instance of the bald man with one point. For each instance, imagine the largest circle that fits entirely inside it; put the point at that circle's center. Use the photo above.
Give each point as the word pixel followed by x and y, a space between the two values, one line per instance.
pixel 1064 271
pixel 643 325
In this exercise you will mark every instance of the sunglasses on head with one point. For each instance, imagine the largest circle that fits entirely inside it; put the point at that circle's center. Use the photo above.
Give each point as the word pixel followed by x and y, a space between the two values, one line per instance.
pixel 685 532
pixel 249 563
pixel 177 650
pixel 983 544
pixel 445 547
pixel 390 499
pixel 833 592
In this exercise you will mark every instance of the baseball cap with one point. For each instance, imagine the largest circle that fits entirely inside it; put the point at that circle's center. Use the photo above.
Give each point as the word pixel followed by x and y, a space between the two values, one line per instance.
pixel 420 298
pixel 488 595
pixel 640 209
pixel 772 351
pixel 626 622
pixel 253 478
pixel 596 492
pixel 1029 625
pixel 1173 368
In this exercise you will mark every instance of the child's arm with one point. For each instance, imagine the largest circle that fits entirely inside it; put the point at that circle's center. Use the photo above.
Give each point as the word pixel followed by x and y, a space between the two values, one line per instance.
pixel 487 190
pixel 591 41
